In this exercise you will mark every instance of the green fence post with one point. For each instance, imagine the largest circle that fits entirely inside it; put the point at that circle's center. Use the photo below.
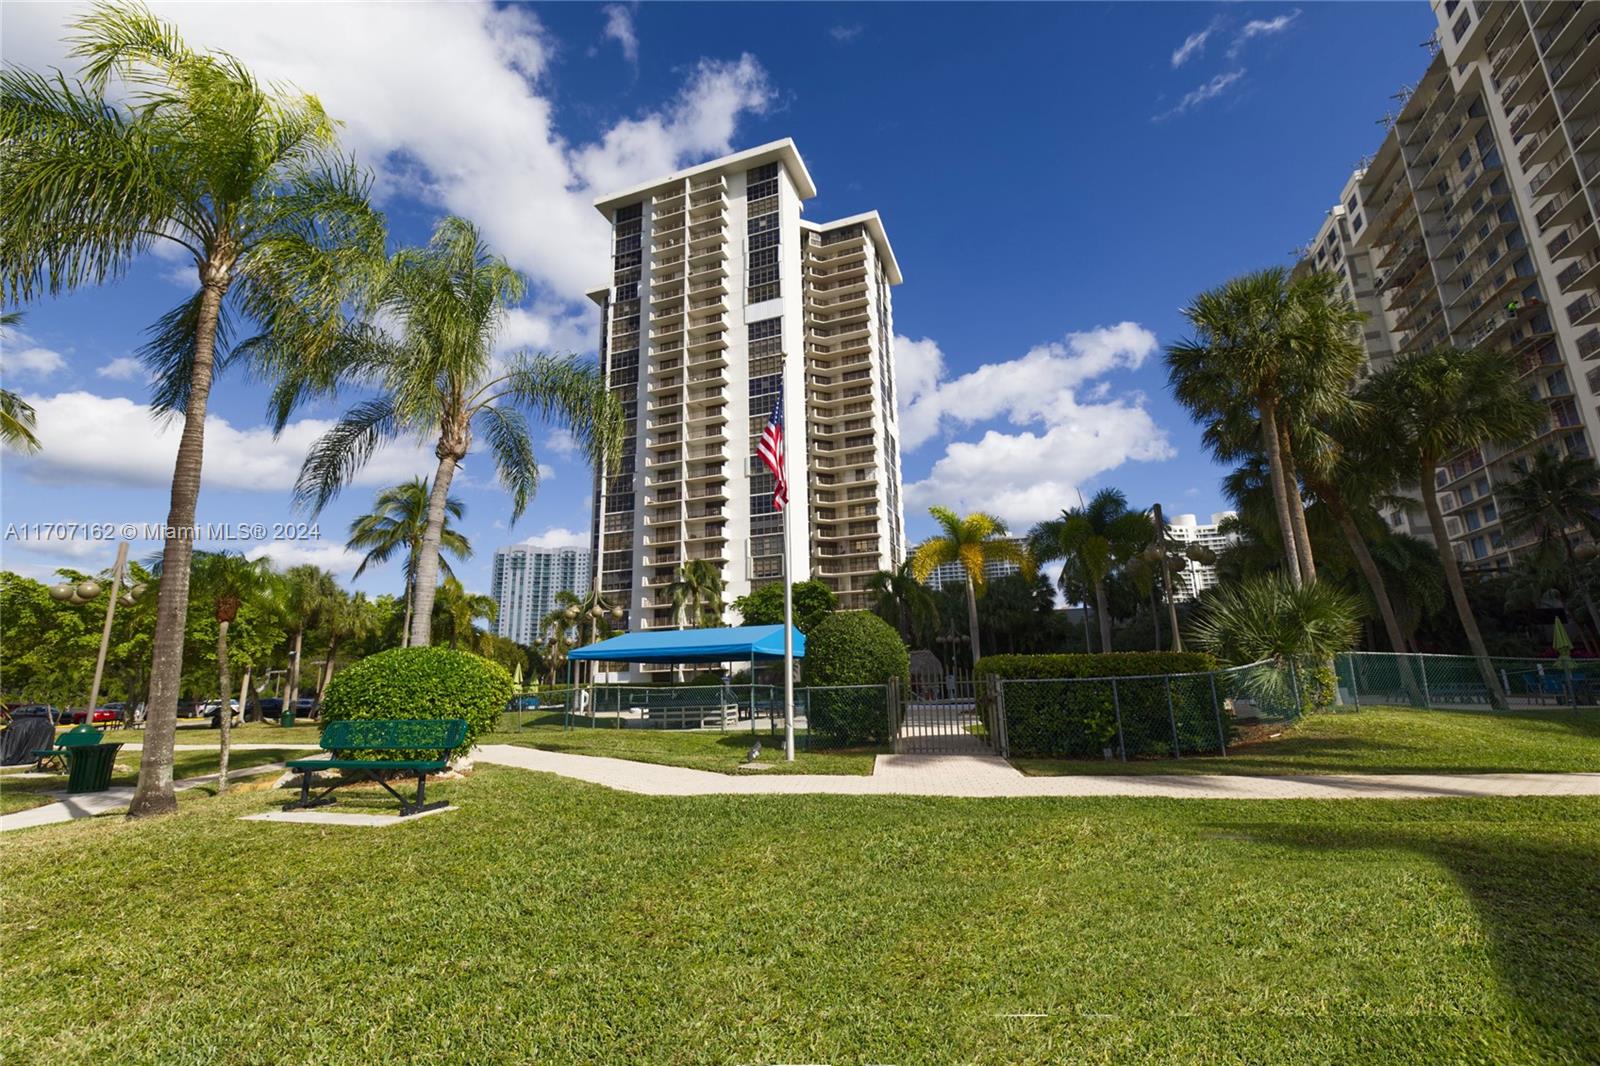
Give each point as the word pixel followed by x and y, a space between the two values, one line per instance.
pixel 1116 703
pixel 1294 687
pixel 1216 709
pixel 1427 696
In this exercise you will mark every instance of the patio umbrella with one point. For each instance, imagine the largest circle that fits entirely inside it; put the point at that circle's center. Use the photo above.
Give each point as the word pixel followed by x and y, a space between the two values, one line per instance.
pixel 516 678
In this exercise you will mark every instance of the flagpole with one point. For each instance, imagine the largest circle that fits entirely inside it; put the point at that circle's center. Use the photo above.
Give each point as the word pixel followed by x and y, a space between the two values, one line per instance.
pixel 788 629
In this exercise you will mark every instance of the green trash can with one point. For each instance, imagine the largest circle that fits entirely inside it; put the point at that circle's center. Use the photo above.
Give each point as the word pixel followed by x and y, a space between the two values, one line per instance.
pixel 89 767
pixel 287 719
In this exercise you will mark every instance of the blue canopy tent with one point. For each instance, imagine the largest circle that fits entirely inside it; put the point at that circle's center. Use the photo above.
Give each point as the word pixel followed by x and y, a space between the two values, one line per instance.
pixel 725 645
pixel 751 644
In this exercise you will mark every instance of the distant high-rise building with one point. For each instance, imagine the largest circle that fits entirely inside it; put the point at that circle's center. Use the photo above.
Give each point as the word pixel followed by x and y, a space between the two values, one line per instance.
pixel 1196 577
pixel 719 294
pixel 525 583
pixel 1473 226
pixel 955 575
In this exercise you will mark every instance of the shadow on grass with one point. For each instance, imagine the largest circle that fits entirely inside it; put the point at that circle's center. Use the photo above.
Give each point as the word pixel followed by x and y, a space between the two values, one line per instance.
pixel 1539 905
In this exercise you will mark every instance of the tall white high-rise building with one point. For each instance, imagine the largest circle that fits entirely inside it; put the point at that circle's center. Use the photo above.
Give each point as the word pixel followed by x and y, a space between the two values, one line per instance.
pixel 1473 226
pixel 721 293
pixel 1187 529
pixel 525 582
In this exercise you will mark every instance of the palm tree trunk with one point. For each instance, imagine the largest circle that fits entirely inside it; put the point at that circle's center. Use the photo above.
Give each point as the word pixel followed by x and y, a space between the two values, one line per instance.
pixel 327 668
pixel 1155 615
pixel 405 626
pixel 972 623
pixel 1280 499
pixel 427 578
pixel 154 794
pixel 225 708
pixel 1458 591
pixel 291 698
pixel 1101 616
pixel 1380 590
pixel 1297 507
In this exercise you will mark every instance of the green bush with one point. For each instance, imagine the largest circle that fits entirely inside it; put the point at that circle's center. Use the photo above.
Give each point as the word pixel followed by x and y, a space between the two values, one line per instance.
pixel 1110 664
pixel 421 683
pixel 1054 708
pixel 852 648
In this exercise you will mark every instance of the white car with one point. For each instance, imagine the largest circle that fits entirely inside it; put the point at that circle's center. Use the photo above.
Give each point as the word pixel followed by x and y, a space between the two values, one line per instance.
pixel 209 709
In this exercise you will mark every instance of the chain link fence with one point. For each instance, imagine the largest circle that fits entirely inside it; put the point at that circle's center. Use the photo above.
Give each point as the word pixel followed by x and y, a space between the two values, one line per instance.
pixel 1455 682
pixel 1147 715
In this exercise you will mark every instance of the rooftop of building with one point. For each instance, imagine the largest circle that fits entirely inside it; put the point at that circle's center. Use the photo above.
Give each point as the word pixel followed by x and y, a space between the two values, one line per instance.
pixel 782 151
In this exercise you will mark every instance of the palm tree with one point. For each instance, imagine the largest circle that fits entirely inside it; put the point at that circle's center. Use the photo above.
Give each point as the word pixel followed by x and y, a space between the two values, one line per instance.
pixel 226 580
pixel 349 617
pixel 399 519
pixel 905 603
pixel 974 541
pixel 1268 352
pixel 697 595
pixel 438 379
pixel 17 423
pixel 1436 403
pixel 1097 537
pixel 189 150
pixel 1551 497
pixel 458 609
pixel 305 594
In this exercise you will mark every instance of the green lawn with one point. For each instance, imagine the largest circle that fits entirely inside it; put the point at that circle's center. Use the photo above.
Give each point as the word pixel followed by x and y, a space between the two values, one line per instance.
pixel 20 794
pixel 197 732
pixel 1377 740
pixel 698 750
pixel 553 921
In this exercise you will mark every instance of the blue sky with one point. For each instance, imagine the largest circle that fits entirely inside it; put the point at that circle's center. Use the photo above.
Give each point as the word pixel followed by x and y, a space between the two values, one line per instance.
pixel 1056 180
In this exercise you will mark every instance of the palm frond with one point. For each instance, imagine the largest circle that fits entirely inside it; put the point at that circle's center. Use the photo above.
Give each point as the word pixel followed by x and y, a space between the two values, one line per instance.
pixel 344 449
pixel 506 434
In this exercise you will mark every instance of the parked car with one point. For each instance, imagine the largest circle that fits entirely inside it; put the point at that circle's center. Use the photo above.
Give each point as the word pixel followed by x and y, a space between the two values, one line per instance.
pixel 211 708
pixel 271 707
pixel 32 710
pixel 188 709
pixel 103 715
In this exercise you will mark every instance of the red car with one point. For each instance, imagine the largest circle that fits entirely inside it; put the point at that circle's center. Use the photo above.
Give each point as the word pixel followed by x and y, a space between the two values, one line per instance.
pixel 102 715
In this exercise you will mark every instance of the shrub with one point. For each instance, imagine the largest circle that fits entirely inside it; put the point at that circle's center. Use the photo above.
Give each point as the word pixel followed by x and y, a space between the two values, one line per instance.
pixel 812 601
pixel 1053 708
pixel 421 683
pixel 852 648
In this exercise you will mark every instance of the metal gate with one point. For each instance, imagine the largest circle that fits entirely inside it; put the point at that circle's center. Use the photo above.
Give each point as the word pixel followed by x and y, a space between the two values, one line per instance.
pixel 952 715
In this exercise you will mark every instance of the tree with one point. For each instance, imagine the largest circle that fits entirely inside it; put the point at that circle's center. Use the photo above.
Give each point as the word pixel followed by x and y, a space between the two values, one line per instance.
pixel 905 603
pixel 456 610
pixel 1272 617
pixel 812 601
pixel 399 519
pixel 189 151
pixel 697 595
pixel 1553 496
pixel 1097 538
pixel 225 581
pixel 1268 348
pixel 348 618
pixel 17 423
pixel 305 593
pixel 974 541
pixel 438 379
pixel 1436 403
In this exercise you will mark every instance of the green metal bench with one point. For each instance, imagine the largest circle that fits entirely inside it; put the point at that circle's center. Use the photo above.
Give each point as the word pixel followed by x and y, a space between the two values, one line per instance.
pixel 353 742
pixel 56 757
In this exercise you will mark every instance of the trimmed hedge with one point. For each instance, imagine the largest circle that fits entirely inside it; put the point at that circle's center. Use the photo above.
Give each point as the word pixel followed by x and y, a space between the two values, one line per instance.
pixel 852 648
pixel 1107 664
pixel 1055 708
pixel 421 683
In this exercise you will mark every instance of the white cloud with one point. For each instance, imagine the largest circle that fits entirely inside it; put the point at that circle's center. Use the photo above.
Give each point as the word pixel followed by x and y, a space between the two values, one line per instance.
pixel 328 555
pixel 122 368
pixel 1064 440
pixel 450 102
pixel 1261 28
pixel 556 537
pixel 21 357
pixel 1200 94
pixel 845 34
pixel 108 440
pixel 619 28
pixel 562 442
pixel 1192 45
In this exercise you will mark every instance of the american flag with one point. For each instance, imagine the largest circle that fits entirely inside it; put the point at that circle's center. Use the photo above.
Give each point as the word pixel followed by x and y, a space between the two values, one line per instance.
pixel 770 449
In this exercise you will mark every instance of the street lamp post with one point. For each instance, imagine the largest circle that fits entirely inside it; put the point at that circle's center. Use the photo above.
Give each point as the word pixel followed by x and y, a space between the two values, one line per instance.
pixel 85 591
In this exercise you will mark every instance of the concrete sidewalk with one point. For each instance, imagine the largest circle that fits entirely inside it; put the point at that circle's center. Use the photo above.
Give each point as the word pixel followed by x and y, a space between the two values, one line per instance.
pixel 987 776
pixel 70 808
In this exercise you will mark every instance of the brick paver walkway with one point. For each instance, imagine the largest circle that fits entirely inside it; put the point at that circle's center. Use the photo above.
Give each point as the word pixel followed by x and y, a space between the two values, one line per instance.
pixel 975 775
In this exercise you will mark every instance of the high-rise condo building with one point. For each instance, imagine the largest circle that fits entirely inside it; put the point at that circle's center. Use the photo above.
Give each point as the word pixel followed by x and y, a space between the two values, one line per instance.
pixel 720 294
pixel 525 583
pixel 1187 529
pixel 1473 225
